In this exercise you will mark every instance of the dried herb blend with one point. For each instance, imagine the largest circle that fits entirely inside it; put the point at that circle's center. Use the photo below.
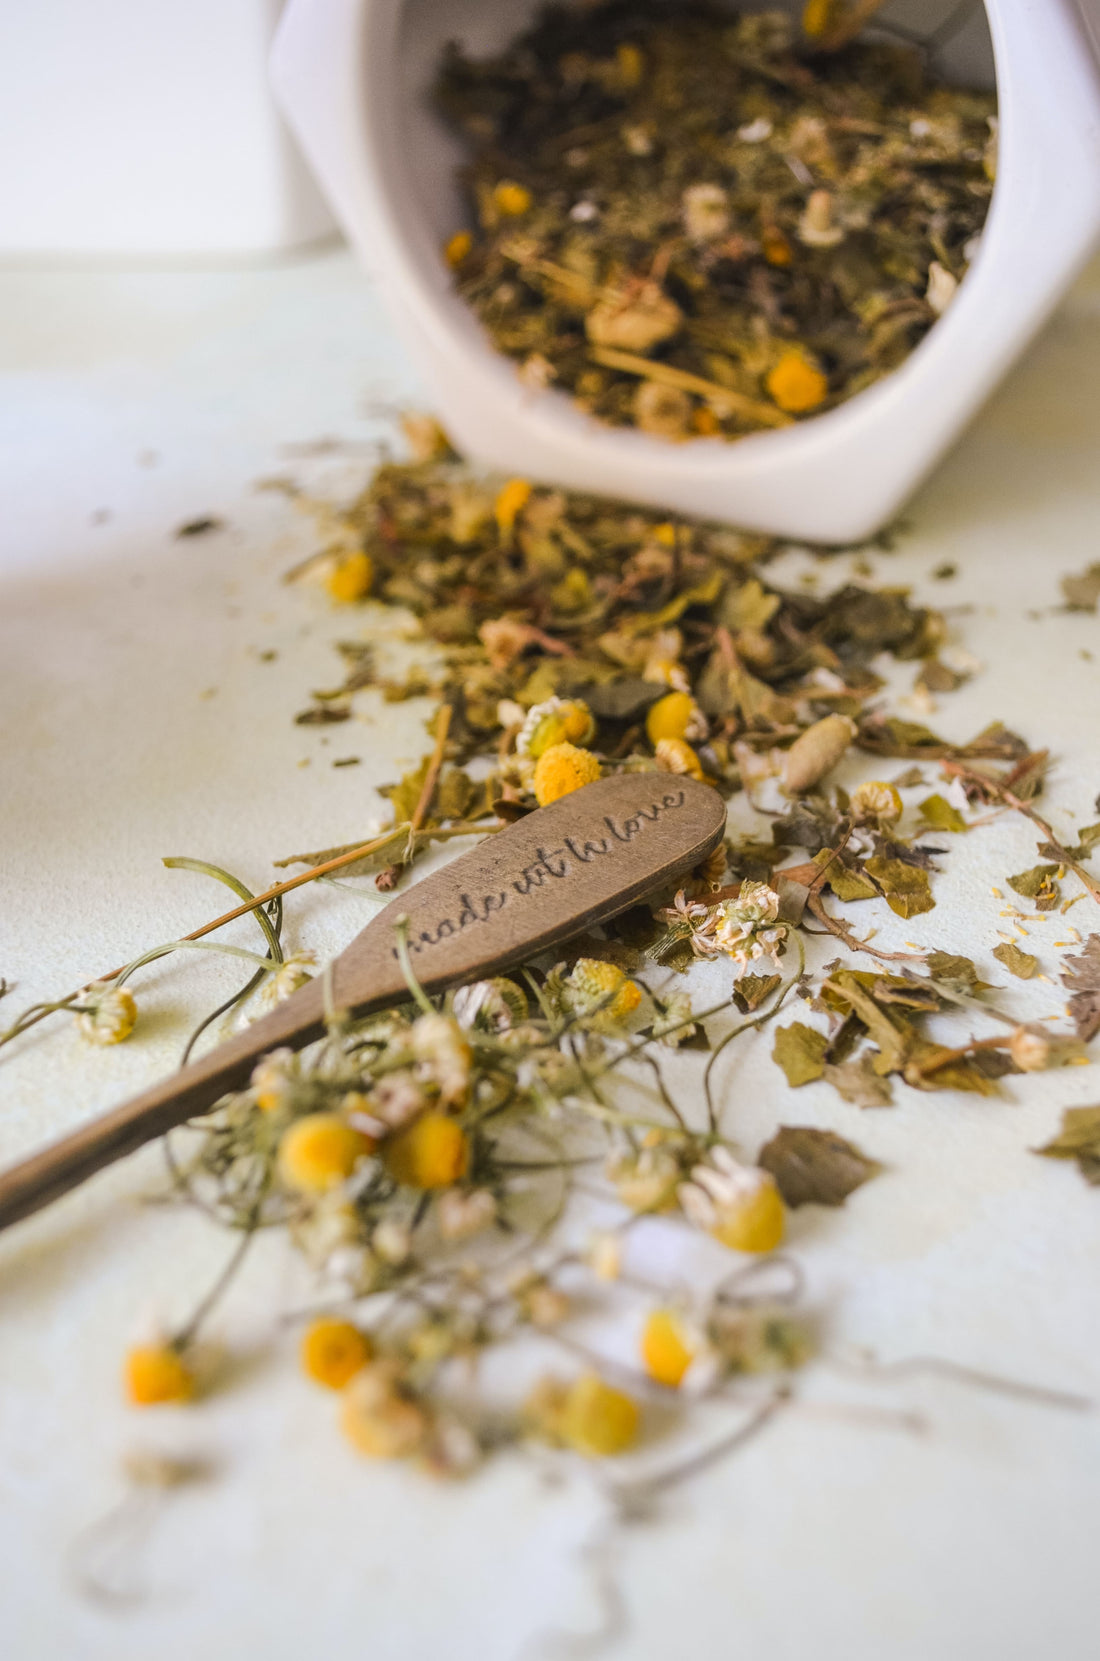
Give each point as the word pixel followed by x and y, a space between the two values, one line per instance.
pixel 466 1171
pixel 704 224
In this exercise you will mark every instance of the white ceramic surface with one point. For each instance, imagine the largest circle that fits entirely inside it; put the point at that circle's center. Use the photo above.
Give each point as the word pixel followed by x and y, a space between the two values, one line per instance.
pixel 351 76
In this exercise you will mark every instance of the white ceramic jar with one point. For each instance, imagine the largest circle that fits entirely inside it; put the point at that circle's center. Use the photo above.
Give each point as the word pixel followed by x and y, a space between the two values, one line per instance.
pixel 352 76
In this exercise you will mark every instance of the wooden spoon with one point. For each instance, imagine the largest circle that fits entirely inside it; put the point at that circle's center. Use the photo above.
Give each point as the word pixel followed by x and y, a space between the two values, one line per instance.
pixel 550 875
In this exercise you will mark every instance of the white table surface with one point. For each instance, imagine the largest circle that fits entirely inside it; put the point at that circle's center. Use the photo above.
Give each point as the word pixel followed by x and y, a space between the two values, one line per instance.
pixel 137 719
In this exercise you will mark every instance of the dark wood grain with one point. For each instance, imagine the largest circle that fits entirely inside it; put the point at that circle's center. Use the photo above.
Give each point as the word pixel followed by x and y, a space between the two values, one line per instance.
pixel 551 875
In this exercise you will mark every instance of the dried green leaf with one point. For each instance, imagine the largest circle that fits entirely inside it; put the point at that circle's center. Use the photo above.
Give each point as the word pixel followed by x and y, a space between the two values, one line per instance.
pixel 406 795
pixel 938 812
pixel 846 881
pixel 814 1167
pixel 1018 963
pixel 893 1035
pixel 800 1051
pixel 857 1082
pixel 958 974
pixel 1078 1139
pixel 620 700
pixel 752 990
pixel 1038 884
pixel 904 887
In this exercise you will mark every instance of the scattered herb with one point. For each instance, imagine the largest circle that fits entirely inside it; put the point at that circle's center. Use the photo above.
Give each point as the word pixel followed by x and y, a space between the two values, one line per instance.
pixel 1018 963
pixel 1079 1139
pixel 814 1167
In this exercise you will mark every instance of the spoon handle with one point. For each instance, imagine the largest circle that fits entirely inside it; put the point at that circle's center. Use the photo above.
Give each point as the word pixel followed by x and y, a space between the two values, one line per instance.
pixel 44 1177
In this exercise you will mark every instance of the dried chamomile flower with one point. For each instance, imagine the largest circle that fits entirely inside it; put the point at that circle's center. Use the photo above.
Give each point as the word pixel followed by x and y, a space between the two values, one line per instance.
pixel 462 1213
pixel 441 1048
pixel 333 1351
pixel 675 716
pixel 633 318
pixel 737 1204
pixel 674 1025
pixel 668 1347
pixel 674 755
pixel 600 992
pixel 877 800
pixel 512 200
pixel 562 769
pixel 456 249
pixel 157 1374
pixel 1035 1051
pixel 432 1152
pixel 645 1180
pixel 796 383
pixel 381 1416
pixel 555 721
pixel 706 212
pixel 397 1099
pixel 589 1415
pixel 349 576
pixel 497 1005
pixel 273 1079
pixel 320 1152
pixel 664 411
pixel 510 503
pixel 106 1014
pixel 292 974
pixel 391 1241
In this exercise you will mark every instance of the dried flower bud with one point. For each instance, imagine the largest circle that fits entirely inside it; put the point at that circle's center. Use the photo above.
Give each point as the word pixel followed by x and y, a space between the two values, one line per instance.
pixel 942 287
pixel 816 228
pixel 635 318
pixel 440 1046
pixel 875 799
pixel 391 1241
pixel 664 411
pixel 816 752
pixel 460 1215
pixel 561 769
pixel 706 211
pixel 675 756
pixel 381 1417
pixel 738 1204
pixel 1036 1051
pixel 107 1014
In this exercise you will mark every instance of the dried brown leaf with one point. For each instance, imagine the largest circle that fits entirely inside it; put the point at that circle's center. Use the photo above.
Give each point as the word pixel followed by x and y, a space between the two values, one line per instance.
pixel 814 1167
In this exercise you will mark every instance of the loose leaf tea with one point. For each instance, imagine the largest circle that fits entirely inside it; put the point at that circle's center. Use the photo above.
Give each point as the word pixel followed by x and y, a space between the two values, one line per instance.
pixel 702 224
pixel 814 1167
pixel 1078 1139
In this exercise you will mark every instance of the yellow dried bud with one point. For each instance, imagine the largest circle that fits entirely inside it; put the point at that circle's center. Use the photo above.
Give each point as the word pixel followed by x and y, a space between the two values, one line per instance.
pixel 456 248
pixel 511 200
pixel 350 576
pixel 510 503
pixel 432 1153
pixel 320 1151
pixel 562 769
pixel 156 1374
pixel 597 1420
pixel 796 384
pixel 666 1351
pixel 676 756
pixel 333 1352
pixel 675 716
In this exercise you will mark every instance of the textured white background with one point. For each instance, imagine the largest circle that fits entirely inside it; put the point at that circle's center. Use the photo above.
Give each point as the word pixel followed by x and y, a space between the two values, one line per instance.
pixel 138 719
